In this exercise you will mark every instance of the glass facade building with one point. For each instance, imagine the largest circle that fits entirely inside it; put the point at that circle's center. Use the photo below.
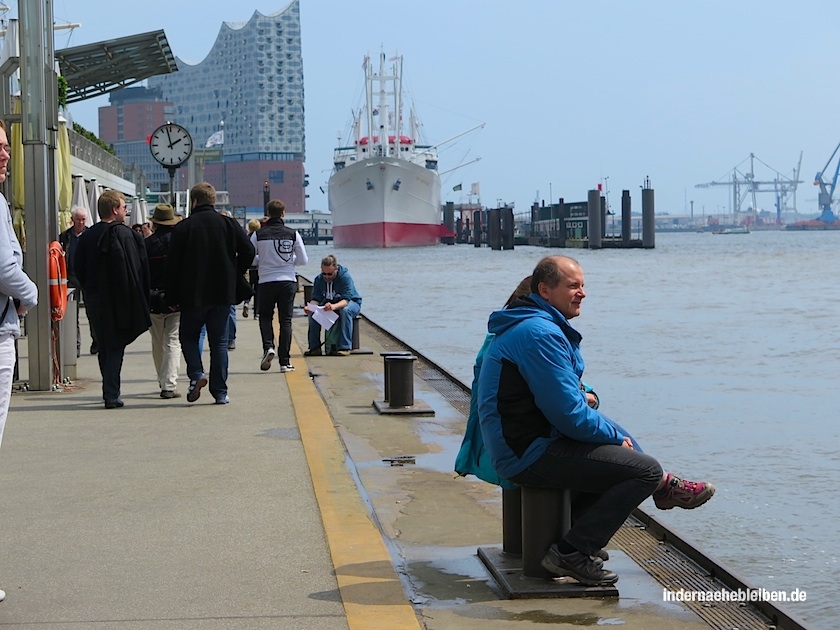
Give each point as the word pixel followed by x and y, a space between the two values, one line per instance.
pixel 250 86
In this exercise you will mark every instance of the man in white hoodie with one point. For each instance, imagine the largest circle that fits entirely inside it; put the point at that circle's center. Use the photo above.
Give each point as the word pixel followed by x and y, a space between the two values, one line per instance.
pixel 18 293
pixel 279 250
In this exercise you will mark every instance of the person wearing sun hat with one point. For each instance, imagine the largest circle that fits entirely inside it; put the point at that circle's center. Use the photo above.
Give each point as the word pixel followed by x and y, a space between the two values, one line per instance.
pixel 166 320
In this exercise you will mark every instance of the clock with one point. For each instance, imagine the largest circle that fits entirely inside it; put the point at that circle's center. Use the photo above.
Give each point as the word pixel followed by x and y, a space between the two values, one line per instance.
pixel 171 145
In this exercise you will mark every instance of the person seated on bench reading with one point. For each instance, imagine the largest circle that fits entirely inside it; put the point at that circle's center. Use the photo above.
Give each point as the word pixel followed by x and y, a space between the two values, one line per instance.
pixel 540 431
pixel 333 289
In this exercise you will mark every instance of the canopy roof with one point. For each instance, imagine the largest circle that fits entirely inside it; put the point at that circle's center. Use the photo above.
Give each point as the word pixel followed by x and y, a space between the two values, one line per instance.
pixel 102 67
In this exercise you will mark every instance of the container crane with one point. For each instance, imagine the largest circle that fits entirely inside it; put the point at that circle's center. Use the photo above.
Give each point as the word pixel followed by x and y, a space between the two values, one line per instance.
pixel 826 196
pixel 744 184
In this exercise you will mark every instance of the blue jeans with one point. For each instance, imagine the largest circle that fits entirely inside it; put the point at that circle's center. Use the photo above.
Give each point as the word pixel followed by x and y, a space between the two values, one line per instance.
pixel 215 318
pixel 345 327
pixel 607 482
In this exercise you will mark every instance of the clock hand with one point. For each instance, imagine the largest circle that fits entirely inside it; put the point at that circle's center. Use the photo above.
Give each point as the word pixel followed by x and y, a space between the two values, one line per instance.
pixel 172 144
pixel 169 137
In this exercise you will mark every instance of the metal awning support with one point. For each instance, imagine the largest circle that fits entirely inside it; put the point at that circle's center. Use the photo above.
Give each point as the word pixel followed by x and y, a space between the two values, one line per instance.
pixel 96 69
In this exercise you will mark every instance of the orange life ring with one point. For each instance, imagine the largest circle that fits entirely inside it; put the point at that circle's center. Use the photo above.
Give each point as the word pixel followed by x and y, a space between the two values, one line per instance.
pixel 57 269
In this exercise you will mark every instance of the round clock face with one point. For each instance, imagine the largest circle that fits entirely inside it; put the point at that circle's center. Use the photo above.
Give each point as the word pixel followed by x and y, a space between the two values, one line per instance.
pixel 171 144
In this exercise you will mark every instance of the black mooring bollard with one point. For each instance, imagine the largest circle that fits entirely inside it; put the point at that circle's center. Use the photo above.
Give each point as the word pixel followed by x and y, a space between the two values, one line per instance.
pixel 307 293
pixel 512 521
pixel 400 371
pixel 546 517
pixel 385 355
pixel 356 321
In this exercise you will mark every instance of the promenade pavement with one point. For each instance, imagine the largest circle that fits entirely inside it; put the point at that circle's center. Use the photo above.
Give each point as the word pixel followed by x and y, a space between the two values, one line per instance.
pixel 279 510
pixel 170 515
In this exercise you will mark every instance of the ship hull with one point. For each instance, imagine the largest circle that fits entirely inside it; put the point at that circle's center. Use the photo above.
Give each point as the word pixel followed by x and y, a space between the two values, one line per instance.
pixel 385 202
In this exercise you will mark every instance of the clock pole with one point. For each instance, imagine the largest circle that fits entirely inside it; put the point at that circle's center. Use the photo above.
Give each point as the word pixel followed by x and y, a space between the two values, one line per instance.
pixel 172 201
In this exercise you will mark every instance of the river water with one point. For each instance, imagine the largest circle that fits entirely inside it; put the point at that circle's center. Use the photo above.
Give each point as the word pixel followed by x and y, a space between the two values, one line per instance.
pixel 718 352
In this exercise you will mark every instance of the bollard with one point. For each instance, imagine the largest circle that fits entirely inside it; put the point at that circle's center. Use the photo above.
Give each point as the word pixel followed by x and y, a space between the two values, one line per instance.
pixel 385 355
pixel 512 521
pixel 546 517
pixel 400 371
pixel 356 321
pixel 307 293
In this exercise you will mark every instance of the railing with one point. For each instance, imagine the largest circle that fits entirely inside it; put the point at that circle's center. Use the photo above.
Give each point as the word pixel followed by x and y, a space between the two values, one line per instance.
pixel 90 152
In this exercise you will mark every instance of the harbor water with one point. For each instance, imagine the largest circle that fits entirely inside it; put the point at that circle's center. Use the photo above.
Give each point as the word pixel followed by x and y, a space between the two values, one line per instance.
pixel 718 352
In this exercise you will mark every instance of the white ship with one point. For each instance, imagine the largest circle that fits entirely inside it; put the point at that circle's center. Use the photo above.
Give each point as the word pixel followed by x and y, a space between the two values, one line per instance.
pixel 385 189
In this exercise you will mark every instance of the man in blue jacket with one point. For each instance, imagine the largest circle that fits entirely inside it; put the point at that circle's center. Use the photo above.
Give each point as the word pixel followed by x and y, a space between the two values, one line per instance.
pixel 334 290
pixel 540 431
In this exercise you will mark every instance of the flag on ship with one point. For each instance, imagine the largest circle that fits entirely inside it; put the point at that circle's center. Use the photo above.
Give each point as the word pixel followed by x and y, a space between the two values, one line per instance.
pixel 216 139
pixel 457 188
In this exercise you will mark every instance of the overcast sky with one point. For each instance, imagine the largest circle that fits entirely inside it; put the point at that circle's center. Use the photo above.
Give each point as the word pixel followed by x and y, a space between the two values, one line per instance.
pixel 572 93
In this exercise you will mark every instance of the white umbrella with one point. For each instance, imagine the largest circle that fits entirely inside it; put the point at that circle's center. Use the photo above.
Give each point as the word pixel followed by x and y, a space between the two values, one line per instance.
pixel 80 198
pixel 140 214
pixel 93 199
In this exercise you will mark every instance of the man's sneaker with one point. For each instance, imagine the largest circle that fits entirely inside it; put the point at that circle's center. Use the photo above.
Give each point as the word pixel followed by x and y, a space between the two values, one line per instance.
pixel 313 353
pixel 245 311
pixel 232 345
pixel 268 357
pixel 2 595
pixel 342 353
pixel 169 393
pixel 195 388
pixel 287 368
pixel 678 492
pixel 223 400
pixel 585 569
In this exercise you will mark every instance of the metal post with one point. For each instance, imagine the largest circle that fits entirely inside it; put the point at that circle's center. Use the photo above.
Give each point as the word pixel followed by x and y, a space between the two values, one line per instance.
pixel 401 380
pixel 546 517
pixel 386 369
pixel 512 521
pixel 35 28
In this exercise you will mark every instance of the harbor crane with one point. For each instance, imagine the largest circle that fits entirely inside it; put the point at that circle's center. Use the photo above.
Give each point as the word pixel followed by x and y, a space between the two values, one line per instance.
pixel 744 184
pixel 826 196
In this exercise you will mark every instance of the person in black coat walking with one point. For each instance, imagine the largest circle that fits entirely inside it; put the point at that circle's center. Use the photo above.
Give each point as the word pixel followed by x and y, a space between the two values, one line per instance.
pixel 113 270
pixel 205 276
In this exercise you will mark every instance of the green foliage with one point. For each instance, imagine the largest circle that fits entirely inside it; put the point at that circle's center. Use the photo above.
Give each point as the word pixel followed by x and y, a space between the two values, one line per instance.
pixel 93 138
pixel 62 91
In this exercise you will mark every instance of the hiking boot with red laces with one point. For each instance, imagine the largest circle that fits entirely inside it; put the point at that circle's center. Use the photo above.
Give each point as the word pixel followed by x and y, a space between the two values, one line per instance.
pixel 678 492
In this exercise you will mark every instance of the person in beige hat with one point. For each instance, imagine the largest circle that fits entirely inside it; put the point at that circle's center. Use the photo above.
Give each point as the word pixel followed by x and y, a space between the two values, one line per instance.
pixel 166 320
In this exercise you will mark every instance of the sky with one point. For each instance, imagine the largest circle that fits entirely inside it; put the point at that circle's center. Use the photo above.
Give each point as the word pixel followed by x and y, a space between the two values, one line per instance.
pixel 571 93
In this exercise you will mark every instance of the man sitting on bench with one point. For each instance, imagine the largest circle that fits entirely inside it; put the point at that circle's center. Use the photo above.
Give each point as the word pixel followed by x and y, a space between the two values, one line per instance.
pixel 333 289
pixel 540 431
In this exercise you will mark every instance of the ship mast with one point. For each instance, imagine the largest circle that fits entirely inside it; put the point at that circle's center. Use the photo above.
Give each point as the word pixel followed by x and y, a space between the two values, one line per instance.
pixel 397 104
pixel 369 102
pixel 382 116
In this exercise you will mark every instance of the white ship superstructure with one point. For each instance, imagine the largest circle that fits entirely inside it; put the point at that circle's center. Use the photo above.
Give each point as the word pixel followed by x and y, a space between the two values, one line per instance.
pixel 385 188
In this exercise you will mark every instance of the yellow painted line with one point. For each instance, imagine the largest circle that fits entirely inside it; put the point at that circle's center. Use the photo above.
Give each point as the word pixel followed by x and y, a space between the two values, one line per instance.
pixel 372 593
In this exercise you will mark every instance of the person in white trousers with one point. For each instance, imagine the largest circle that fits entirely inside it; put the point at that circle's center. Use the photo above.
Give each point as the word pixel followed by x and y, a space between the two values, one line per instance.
pixel 18 293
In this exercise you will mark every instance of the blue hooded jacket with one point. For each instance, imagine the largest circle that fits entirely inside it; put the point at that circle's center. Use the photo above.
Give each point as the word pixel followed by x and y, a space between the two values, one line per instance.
pixel 529 390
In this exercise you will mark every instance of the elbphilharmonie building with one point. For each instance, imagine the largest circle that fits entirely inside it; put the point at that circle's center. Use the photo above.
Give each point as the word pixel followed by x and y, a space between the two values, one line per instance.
pixel 243 105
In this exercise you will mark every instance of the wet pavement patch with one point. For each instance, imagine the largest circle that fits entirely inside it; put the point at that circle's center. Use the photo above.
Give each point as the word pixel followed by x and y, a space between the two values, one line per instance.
pixel 290 433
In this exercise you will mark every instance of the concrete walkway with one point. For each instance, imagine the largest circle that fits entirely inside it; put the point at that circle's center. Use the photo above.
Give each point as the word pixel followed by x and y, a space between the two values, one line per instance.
pixel 170 515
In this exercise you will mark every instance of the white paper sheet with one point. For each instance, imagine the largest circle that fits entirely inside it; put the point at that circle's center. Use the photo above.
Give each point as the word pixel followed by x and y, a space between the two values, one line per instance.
pixel 325 318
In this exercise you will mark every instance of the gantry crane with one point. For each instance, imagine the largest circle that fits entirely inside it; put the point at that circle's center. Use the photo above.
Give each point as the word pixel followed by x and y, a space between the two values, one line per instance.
pixel 826 196
pixel 744 184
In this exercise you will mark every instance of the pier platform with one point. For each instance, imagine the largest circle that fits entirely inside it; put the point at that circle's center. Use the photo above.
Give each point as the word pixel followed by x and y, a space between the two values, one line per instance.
pixel 295 506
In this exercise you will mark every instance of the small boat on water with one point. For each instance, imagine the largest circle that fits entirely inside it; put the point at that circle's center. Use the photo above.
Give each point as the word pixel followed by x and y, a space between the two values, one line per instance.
pixel 384 190
pixel 741 229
